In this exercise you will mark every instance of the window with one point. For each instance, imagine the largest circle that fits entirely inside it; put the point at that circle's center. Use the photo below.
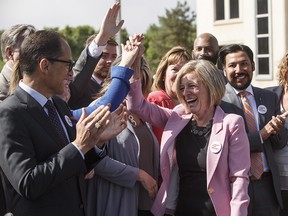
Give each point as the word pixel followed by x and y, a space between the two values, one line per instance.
pixel 220 10
pixel 263 39
pixel 226 9
pixel 234 9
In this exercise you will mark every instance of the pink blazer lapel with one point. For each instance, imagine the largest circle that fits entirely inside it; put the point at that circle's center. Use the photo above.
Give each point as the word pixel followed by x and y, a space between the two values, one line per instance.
pixel 173 127
pixel 216 143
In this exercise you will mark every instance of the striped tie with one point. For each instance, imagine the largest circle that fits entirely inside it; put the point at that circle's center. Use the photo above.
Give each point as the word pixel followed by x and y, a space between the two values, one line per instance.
pixel 257 165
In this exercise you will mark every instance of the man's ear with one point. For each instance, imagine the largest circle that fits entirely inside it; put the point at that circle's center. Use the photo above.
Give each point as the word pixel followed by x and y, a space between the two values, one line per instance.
pixel 44 65
pixel 9 53
pixel 253 65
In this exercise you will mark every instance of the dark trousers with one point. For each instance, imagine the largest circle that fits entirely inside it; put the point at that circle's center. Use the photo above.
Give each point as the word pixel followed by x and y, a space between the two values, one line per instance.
pixel 263 200
pixel 144 213
pixel 284 211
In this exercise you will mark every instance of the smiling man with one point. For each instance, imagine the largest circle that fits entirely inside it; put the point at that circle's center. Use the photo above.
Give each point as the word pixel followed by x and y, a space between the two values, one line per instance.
pixel 264 126
pixel 99 68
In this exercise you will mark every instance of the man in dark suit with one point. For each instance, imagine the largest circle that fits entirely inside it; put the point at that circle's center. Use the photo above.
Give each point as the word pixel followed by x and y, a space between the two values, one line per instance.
pixel 11 40
pixel 238 67
pixel 44 174
pixel 88 82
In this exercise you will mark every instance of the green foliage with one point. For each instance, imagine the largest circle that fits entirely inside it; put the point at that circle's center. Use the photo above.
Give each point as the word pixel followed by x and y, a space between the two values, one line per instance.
pixel 1 59
pixel 175 28
pixel 76 38
pixel 1 64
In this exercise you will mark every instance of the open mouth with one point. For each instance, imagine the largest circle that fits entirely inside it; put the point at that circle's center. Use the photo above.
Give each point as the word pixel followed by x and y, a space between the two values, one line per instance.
pixel 191 101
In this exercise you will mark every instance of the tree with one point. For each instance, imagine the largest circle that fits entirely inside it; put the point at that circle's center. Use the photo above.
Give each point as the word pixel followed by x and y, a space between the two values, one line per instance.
pixel 76 38
pixel 175 28
pixel 1 59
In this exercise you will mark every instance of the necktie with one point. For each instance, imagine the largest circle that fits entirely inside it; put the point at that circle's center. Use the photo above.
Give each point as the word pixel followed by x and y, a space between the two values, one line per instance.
pixel 52 113
pixel 257 165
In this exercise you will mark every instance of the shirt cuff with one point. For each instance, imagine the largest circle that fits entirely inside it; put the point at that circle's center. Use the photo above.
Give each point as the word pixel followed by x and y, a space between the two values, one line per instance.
pixel 99 152
pixel 79 150
pixel 94 50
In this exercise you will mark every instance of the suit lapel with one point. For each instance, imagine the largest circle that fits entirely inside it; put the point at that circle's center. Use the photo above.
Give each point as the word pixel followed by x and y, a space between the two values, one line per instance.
pixel 231 97
pixel 216 143
pixel 38 113
pixel 172 129
pixel 259 100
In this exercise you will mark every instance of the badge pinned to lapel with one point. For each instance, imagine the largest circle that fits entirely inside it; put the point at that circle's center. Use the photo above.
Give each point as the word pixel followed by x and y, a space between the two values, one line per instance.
pixel 262 109
pixel 215 147
pixel 68 121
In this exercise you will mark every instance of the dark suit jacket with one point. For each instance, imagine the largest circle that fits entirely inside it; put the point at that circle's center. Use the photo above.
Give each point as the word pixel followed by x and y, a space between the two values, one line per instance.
pixel 231 104
pixel 277 90
pixel 83 88
pixel 41 175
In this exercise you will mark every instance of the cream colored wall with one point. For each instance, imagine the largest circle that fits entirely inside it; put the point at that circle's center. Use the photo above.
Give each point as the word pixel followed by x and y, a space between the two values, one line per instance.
pixel 243 30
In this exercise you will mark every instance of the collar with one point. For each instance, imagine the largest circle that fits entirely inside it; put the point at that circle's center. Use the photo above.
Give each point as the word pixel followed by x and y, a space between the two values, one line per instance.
pixel 95 78
pixel 41 99
pixel 248 89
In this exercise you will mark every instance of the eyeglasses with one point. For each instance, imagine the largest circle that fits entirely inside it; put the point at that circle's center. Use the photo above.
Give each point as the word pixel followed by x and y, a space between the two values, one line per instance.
pixel 70 66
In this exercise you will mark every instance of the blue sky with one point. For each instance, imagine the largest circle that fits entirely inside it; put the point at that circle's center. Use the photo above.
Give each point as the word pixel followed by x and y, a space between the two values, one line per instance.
pixel 138 14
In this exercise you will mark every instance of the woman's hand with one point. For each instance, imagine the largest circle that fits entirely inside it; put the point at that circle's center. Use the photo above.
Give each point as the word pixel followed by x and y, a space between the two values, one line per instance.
pixel 148 183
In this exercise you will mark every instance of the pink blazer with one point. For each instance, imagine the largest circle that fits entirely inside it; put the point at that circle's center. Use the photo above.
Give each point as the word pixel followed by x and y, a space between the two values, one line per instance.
pixel 228 156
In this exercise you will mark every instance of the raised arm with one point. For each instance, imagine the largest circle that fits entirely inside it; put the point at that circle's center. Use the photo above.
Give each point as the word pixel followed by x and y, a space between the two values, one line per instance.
pixel 120 85
pixel 91 55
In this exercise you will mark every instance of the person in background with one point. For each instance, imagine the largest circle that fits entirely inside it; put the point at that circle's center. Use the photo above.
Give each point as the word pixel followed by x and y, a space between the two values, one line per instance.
pixel 204 151
pixel 281 155
pixel 89 86
pixel 264 125
pixel 129 185
pixel 206 47
pixel 11 40
pixel 163 93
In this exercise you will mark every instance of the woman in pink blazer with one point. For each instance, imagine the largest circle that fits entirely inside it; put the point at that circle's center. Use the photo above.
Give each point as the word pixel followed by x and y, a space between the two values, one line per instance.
pixel 204 156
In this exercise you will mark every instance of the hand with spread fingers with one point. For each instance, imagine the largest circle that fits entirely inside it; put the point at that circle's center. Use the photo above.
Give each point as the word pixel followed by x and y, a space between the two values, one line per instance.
pixel 109 27
pixel 89 128
pixel 117 123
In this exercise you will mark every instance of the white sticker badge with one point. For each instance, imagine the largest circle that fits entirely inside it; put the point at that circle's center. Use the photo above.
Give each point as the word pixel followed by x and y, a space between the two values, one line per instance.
pixel 215 147
pixel 68 120
pixel 262 109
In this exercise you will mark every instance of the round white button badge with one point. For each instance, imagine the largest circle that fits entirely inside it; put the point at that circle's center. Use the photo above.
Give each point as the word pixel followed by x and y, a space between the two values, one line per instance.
pixel 68 120
pixel 262 109
pixel 215 147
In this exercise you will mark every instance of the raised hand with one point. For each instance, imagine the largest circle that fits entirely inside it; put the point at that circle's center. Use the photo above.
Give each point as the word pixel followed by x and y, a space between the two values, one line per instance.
pixel 130 50
pixel 109 27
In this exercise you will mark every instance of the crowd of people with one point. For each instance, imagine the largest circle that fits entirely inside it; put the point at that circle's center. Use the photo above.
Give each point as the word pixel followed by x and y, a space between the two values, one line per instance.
pixel 100 136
